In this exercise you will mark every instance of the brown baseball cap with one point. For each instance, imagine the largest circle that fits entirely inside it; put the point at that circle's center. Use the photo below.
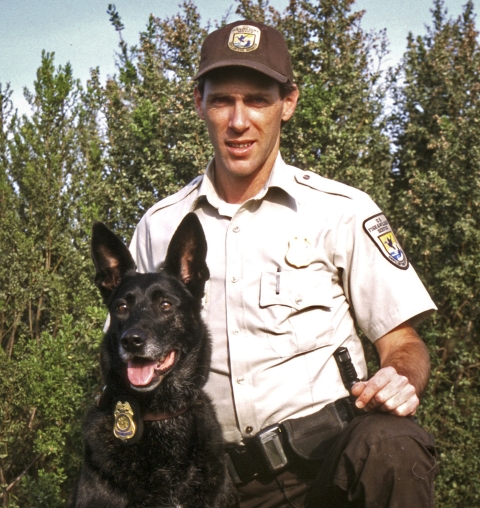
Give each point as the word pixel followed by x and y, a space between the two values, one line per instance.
pixel 247 44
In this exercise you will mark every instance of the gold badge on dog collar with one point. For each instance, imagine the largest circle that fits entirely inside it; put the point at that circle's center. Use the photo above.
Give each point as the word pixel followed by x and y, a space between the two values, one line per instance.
pixel 127 424
pixel 124 427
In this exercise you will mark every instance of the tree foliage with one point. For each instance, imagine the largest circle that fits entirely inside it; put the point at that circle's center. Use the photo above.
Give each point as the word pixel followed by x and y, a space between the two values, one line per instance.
pixel 156 142
pixel 436 128
pixel 110 151
pixel 50 322
pixel 338 128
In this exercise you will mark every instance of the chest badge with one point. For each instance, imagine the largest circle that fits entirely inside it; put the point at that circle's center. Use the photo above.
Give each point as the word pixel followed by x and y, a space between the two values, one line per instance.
pixel 300 252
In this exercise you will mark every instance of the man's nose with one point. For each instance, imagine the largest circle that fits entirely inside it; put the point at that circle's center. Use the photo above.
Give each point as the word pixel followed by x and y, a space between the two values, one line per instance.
pixel 239 117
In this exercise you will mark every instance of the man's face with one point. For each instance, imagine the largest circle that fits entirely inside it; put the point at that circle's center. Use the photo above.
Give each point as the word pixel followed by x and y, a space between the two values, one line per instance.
pixel 243 112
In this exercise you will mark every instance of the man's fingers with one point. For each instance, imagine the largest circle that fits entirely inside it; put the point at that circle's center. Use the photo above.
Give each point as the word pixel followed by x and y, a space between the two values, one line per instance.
pixel 388 392
pixel 371 388
pixel 394 394
pixel 408 408
pixel 402 403
pixel 357 388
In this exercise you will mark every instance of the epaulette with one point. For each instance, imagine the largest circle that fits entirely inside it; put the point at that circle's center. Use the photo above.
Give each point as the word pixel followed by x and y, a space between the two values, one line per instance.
pixel 177 197
pixel 322 184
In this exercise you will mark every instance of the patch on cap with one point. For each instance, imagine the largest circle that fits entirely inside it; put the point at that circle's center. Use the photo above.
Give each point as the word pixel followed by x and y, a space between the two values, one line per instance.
pixel 244 38
pixel 379 230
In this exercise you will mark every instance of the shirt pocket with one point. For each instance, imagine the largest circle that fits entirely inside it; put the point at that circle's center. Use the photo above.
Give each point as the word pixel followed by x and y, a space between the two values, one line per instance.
pixel 297 310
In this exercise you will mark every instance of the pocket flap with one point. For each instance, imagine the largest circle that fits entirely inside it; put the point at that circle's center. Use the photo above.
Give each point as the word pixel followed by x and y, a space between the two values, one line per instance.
pixel 298 289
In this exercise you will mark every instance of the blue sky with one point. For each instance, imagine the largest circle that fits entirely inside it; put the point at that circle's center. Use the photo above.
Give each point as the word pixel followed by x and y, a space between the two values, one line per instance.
pixel 79 31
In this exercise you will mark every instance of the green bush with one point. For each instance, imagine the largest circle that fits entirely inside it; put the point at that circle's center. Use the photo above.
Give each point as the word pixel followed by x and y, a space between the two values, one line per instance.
pixel 109 152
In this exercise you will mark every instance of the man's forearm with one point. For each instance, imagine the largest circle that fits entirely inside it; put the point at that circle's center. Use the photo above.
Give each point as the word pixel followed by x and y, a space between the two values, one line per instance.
pixel 405 351
pixel 405 368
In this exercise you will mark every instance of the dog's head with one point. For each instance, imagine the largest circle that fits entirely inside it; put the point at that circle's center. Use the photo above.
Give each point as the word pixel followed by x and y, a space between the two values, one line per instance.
pixel 156 336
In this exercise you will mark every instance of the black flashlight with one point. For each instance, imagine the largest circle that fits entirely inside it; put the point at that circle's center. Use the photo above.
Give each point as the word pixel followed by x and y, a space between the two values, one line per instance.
pixel 346 368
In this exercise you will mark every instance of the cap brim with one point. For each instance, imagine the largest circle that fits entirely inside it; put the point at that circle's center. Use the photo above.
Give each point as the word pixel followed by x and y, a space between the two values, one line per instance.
pixel 264 69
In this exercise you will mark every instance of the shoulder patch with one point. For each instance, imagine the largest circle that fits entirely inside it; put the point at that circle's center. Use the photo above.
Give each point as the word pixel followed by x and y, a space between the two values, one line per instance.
pixel 380 232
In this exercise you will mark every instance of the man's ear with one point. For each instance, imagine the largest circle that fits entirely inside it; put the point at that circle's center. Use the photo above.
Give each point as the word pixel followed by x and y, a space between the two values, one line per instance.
pixel 186 255
pixel 290 104
pixel 111 258
pixel 198 103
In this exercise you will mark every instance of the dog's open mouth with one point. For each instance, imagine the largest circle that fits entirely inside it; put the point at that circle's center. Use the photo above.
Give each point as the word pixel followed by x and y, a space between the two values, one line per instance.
pixel 143 373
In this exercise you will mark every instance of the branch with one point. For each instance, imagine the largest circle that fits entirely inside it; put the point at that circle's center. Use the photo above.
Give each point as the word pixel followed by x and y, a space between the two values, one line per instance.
pixel 21 475
pixel 473 366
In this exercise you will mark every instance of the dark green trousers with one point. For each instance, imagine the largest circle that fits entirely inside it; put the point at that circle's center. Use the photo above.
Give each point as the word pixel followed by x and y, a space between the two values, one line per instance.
pixel 378 461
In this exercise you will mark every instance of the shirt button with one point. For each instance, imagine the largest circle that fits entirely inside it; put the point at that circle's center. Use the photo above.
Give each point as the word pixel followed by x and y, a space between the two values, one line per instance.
pixel 234 279
pixel 236 229
pixel 240 380
pixel 249 430
pixel 235 332
pixel 306 177
pixel 298 299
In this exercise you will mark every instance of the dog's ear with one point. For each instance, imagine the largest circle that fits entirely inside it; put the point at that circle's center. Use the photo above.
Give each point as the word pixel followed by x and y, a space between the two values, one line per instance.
pixel 111 258
pixel 186 255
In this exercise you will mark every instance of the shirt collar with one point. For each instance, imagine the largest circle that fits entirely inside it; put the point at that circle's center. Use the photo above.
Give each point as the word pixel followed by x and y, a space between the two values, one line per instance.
pixel 207 187
pixel 281 176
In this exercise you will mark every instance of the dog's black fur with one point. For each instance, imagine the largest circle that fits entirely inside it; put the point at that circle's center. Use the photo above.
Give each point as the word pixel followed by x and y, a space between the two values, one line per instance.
pixel 178 462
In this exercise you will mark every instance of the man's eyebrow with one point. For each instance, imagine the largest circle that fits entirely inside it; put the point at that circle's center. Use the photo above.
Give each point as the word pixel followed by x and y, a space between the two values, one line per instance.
pixel 258 95
pixel 217 95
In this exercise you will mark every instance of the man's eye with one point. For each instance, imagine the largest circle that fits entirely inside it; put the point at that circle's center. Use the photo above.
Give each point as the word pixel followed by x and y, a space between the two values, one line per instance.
pixel 219 101
pixel 258 101
pixel 122 308
pixel 165 305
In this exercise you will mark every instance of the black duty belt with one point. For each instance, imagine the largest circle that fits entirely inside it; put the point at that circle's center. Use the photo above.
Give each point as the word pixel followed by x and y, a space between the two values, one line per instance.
pixel 277 447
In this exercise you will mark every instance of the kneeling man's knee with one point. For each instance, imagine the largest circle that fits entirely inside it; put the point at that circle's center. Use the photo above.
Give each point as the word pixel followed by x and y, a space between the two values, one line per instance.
pixel 384 458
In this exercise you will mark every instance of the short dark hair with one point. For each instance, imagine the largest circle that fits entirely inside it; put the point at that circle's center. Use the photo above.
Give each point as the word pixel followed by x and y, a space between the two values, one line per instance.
pixel 284 88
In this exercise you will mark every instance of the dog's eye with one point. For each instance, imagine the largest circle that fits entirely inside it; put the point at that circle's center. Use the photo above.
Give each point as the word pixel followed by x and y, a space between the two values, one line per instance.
pixel 122 308
pixel 165 305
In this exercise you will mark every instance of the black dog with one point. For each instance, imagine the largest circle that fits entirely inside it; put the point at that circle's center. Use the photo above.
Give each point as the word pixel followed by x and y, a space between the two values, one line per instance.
pixel 154 440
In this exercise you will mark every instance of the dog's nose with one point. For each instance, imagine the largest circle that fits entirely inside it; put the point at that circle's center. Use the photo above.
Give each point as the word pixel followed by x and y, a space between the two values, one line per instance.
pixel 133 340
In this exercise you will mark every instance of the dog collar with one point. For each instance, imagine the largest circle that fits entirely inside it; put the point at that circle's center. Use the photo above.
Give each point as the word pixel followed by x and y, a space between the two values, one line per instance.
pixel 155 417
pixel 128 421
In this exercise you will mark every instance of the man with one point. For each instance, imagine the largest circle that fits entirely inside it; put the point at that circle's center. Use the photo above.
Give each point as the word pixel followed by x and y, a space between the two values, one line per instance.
pixel 296 260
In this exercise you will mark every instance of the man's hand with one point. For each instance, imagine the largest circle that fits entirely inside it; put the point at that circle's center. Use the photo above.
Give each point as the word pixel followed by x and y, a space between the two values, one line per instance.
pixel 405 368
pixel 388 392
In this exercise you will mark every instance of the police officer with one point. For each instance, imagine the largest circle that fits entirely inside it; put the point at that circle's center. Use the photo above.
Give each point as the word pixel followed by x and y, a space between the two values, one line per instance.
pixel 296 261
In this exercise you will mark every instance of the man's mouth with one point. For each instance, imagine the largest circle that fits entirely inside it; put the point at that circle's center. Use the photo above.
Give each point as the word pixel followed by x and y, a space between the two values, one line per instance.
pixel 146 374
pixel 232 144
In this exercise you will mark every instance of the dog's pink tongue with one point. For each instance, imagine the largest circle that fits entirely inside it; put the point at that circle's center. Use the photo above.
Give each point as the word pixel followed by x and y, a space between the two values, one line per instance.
pixel 141 373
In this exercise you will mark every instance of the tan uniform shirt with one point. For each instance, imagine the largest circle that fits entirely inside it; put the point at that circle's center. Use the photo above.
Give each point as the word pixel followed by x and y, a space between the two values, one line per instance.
pixel 291 269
